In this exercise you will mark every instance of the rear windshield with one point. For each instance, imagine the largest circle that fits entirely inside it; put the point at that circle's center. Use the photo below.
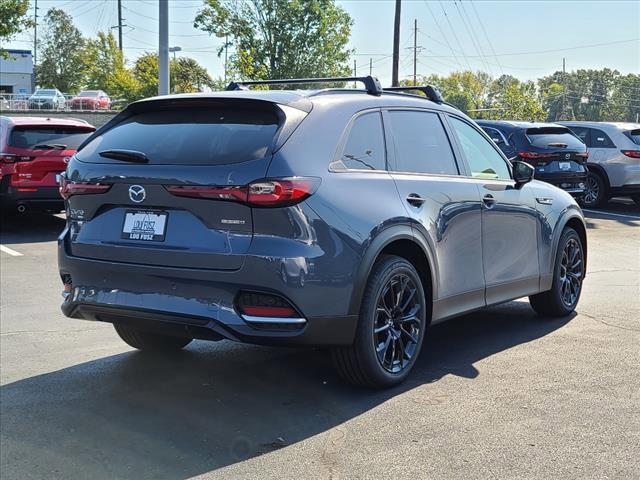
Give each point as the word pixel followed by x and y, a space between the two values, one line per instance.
pixel 195 136
pixel 634 135
pixel 28 137
pixel 553 137
pixel 47 93
pixel 88 94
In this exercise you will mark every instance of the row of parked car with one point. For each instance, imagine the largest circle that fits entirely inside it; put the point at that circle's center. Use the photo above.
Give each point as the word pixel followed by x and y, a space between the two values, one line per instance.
pixel 594 161
pixel 53 99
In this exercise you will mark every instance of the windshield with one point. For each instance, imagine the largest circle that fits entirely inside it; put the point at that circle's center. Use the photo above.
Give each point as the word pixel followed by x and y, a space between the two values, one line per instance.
pixel 195 136
pixel 28 137
pixel 558 137
pixel 45 93
pixel 634 135
pixel 88 94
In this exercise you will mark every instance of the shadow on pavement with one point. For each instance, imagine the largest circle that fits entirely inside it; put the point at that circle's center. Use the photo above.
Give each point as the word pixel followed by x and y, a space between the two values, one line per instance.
pixel 30 227
pixel 135 415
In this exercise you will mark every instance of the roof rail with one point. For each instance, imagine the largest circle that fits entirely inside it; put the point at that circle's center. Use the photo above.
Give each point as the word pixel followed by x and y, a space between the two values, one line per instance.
pixel 371 84
pixel 431 92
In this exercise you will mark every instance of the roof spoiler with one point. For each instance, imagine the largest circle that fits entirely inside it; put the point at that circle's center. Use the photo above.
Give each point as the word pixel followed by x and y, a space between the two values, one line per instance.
pixel 371 84
pixel 431 92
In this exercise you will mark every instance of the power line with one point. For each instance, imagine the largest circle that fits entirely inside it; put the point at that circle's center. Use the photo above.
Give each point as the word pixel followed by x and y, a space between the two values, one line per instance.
pixel 472 36
pixel 442 33
pixel 484 30
pixel 455 36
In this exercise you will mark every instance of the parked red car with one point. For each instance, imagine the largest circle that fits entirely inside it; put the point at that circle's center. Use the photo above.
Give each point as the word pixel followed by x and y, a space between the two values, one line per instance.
pixel 90 100
pixel 33 150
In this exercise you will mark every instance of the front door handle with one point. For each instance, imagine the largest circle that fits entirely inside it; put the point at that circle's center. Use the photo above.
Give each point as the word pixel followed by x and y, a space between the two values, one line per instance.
pixel 488 200
pixel 415 199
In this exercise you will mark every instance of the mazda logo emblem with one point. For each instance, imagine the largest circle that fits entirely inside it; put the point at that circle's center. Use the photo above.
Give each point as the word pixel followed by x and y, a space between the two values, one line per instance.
pixel 567 156
pixel 137 193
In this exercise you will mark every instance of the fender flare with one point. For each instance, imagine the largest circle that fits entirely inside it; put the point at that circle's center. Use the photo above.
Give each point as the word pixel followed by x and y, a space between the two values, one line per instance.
pixel 568 214
pixel 373 251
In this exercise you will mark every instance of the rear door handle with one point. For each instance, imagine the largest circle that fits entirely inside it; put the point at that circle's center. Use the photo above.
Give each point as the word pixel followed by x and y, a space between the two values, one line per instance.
pixel 415 199
pixel 488 200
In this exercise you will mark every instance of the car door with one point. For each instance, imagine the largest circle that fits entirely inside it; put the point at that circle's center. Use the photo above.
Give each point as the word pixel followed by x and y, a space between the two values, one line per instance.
pixel 509 218
pixel 444 206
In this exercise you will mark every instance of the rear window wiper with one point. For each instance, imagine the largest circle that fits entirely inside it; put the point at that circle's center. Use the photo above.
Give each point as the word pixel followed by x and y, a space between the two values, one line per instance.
pixel 49 146
pixel 125 155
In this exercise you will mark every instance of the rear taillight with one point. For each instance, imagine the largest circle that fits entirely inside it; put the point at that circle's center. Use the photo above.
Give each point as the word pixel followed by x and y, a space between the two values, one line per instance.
pixel 67 188
pixel 583 155
pixel 11 158
pixel 631 153
pixel 264 305
pixel 535 155
pixel 272 192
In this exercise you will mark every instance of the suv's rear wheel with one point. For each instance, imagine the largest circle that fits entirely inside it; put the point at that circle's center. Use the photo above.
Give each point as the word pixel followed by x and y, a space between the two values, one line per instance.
pixel 568 275
pixel 391 327
pixel 143 340
pixel 595 193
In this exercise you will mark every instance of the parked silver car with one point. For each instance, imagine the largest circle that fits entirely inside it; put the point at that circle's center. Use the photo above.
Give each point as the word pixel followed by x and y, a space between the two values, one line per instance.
pixel 614 160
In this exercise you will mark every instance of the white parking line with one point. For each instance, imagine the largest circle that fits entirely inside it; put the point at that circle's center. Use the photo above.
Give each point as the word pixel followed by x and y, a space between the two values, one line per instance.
pixel 612 214
pixel 11 252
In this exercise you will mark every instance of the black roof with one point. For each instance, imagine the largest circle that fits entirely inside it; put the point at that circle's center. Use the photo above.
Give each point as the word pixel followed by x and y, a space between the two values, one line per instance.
pixel 512 125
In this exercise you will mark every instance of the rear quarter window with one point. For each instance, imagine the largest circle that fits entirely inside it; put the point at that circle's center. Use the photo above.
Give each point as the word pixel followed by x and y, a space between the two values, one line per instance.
pixel 550 137
pixel 634 135
pixel 194 136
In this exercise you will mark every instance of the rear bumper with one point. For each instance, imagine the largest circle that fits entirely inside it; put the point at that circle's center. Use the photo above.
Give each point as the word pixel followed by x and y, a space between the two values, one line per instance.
pixel 201 303
pixel 569 182
pixel 41 198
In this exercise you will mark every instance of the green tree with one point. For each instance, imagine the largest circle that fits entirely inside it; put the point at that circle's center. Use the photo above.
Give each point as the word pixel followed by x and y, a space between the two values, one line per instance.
pixel 13 20
pixel 186 75
pixel 104 68
pixel 281 38
pixel 62 53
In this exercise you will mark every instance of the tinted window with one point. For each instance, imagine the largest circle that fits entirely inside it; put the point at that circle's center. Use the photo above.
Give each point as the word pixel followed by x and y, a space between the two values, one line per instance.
pixel 89 93
pixel 582 133
pixel 634 135
pixel 553 137
pixel 483 158
pixel 364 149
pixel 599 139
pixel 495 135
pixel 197 136
pixel 29 137
pixel 421 144
pixel 46 93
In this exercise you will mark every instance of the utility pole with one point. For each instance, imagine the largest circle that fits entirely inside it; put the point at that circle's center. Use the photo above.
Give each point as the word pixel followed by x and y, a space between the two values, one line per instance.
pixel 355 72
pixel 564 86
pixel 370 66
pixel 415 48
pixel 35 33
pixel 120 25
pixel 163 47
pixel 396 45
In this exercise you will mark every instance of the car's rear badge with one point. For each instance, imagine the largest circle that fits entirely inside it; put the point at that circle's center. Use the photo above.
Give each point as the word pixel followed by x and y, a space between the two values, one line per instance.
pixel 229 221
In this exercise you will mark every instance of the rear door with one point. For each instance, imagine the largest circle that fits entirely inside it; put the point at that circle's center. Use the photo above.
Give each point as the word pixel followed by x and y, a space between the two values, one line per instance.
pixel 181 205
pixel 509 218
pixel 445 206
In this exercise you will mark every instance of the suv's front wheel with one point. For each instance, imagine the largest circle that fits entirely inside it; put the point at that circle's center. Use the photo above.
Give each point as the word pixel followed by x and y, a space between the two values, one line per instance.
pixel 391 327
pixel 143 340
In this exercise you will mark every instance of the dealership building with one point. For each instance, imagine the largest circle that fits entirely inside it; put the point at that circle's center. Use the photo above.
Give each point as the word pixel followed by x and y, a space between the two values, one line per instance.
pixel 16 72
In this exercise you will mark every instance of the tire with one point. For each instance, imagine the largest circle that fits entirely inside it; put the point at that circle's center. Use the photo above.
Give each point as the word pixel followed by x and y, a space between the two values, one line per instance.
pixel 148 341
pixel 566 288
pixel 596 193
pixel 636 198
pixel 384 358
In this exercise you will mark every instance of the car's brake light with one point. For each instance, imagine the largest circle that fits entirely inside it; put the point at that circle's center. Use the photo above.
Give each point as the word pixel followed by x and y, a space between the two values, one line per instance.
pixel 535 155
pixel 11 158
pixel 631 153
pixel 271 192
pixel 67 188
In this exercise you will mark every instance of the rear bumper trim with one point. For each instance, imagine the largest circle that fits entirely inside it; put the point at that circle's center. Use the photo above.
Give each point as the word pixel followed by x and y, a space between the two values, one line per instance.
pixel 275 320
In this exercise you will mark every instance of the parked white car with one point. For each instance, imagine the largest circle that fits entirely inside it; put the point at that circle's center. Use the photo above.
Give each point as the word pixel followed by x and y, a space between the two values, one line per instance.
pixel 614 160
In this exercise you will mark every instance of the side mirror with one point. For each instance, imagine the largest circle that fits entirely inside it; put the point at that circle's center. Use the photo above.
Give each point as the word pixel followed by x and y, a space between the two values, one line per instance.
pixel 522 173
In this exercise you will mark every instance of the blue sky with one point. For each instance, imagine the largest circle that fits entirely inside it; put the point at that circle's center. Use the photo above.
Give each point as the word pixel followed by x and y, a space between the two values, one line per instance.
pixel 526 39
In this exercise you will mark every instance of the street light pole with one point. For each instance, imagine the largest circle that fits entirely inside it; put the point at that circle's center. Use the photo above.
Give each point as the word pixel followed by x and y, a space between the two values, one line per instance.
pixel 163 47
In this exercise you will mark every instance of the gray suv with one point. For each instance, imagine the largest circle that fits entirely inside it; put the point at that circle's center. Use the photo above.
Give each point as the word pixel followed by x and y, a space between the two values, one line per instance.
pixel 345 218
pixel 614 160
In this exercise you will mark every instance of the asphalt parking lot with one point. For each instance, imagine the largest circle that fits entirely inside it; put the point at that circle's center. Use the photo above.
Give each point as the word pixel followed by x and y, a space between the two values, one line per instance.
pixel 496 394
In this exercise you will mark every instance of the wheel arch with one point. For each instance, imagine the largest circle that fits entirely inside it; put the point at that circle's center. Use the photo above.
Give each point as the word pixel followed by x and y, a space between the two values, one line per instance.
pixel 403 242
pixel 574 220
pixel 596 168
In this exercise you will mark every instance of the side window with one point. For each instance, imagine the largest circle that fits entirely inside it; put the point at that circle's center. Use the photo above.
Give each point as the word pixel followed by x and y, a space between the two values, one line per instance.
pixel 582 133
pixel 364 149
pixel 484 160
pixel 495 135
pixel 599 139
pixel 421 143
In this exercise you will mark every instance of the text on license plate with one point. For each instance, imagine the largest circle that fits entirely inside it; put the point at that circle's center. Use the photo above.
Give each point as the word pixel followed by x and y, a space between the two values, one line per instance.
pixel 565 165
pixel 144 225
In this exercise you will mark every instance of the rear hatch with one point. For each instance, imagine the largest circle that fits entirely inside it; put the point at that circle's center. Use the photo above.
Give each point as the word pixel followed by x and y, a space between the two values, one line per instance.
pixel 38 153
pixel 163 183
pixel 554 149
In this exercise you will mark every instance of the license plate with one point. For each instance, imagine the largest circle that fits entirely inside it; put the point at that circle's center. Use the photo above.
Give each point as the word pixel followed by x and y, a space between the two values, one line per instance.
pixel 146 225
pixel 565 165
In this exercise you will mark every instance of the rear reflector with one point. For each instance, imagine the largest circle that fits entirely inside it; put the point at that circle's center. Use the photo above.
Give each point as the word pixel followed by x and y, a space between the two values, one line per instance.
pixel 631 153
pixel 264 305
pixel 271 192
